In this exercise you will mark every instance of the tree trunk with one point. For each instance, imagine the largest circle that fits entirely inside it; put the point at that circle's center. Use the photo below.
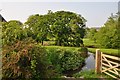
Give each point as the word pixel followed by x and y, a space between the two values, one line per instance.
pixel 42 42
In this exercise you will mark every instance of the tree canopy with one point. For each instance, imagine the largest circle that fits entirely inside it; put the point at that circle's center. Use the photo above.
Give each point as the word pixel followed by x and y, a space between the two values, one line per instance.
pixel 108 36
pixel 66 28
pixel 12 31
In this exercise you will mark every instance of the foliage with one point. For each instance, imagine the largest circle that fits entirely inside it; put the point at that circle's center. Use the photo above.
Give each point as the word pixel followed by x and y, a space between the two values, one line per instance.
pixel 64 59
pixel 90 43
pixel 71 61
pixel 83 51
pixel 12 31
pixel 79 50
pixel 108 36
pixel 66 28
pixel 54 56
pixel 91 33
pixel 37 26
pixel 25 60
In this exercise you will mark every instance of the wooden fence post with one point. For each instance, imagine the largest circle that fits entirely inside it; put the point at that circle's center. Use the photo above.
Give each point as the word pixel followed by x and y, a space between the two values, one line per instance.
pixel 98 61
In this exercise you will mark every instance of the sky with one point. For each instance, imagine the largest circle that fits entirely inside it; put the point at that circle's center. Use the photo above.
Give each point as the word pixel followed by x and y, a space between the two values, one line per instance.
pixel 96 13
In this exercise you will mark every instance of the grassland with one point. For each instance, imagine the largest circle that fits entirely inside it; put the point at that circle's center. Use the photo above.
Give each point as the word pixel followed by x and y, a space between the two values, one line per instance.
pixel 92 46
pixel 88 43
pixel 62 47
pixel 114 52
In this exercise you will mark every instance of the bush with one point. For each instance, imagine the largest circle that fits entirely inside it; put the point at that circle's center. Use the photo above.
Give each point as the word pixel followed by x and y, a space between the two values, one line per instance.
pixel 71 61
pixel 63 60
pixel 55 56
pixel 83 51
pixel 25 60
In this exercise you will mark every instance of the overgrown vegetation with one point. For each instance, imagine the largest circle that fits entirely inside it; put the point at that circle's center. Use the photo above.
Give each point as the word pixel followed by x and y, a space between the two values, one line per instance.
pixel 24 60
pixel 108 36
pixel 64 59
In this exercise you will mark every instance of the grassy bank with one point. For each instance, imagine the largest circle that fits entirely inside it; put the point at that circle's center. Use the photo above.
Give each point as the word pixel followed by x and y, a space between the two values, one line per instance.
pixel 62 47
pixel 88 43
pixel 113 52
pixel 83 51
pixel 90 74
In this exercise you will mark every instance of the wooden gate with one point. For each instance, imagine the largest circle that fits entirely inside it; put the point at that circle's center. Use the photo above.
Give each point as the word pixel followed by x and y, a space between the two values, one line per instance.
pixel 107 64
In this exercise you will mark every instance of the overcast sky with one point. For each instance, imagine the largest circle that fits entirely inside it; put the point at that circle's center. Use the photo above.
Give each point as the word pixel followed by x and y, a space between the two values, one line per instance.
pixel 96 13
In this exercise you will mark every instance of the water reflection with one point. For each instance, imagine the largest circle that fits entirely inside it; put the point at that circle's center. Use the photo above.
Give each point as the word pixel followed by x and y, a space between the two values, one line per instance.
pixel 89 62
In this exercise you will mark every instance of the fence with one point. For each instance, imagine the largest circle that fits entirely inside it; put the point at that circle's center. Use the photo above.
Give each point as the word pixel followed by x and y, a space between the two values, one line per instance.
pixel 107 64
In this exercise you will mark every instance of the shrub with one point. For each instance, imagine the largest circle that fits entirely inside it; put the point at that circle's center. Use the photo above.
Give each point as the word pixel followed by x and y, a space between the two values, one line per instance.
pixel 54 56
pixel 63 60
pixel 71 61
pixel 25 59
pixel 83 51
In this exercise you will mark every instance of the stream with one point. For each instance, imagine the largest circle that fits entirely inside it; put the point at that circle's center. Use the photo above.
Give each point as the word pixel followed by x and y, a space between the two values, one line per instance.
pixel 89 62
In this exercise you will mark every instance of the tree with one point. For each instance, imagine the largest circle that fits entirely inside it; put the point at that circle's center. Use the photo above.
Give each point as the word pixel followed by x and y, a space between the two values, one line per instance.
pixel 12 31
pixel 68 28
pixel 91 33
pixel 39 25
pixel 108 36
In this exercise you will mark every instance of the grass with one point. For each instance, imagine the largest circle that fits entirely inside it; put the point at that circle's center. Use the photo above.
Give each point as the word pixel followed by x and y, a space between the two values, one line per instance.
pixel 62 47
pixel 91 75
pixel 88 42
pixel 113 52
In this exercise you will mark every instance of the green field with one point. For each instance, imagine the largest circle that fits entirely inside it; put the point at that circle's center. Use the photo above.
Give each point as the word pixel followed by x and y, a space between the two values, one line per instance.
pixel 114 52
pixel 62 47
pixel 88 43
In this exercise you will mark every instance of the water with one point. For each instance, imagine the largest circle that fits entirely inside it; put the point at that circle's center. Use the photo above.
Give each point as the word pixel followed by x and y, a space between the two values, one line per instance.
pixel 89 62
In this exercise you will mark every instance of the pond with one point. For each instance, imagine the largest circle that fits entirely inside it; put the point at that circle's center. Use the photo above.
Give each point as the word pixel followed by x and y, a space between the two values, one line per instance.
pixel 89 64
